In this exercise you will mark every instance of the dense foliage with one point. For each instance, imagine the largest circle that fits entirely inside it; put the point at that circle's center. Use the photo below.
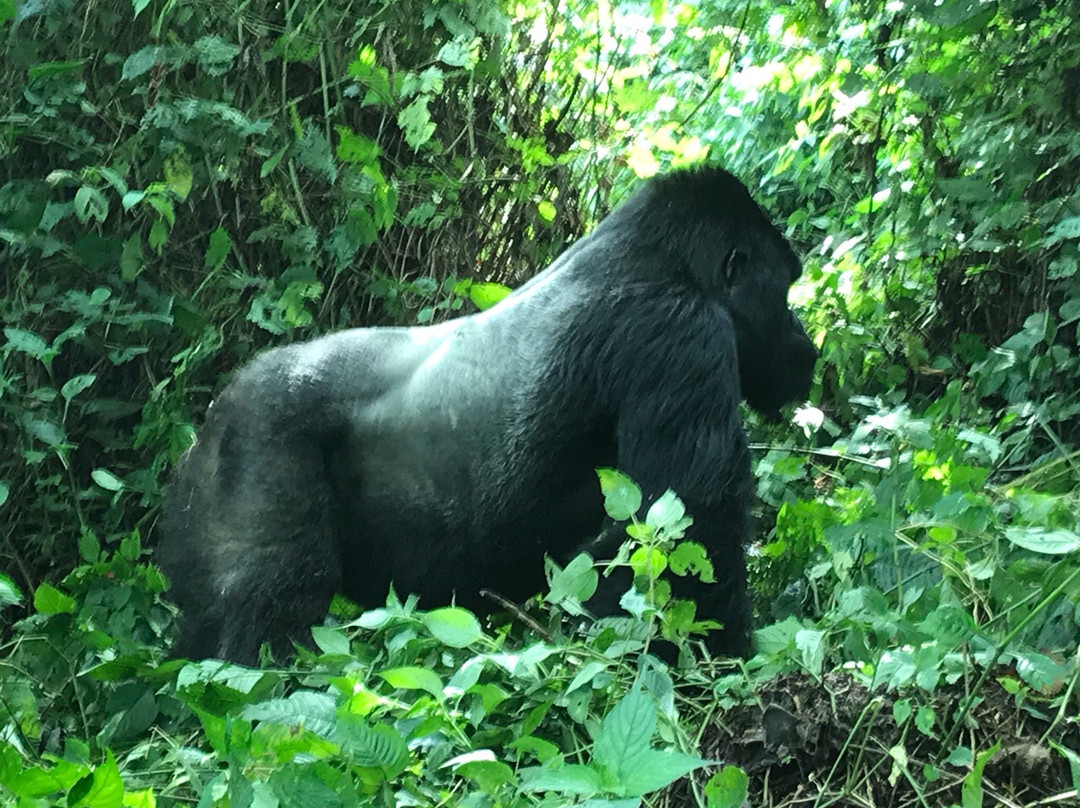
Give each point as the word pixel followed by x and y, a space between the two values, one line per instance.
pixel 184 183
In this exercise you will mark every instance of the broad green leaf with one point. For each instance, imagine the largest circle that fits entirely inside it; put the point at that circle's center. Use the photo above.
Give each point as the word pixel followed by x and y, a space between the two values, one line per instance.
pixel 571 778
pixel 307 708
pixel 901 711
pixel 379 746
pixel 104 789
pixel 728 788
pixel 145 799
pixel 453 626
pixel 142 60
pixel 625 733
pixel 489 775
pixel 414 678
pixel 811 646
pixel 218 249
pixel 588 672
pixel 546 210
pixel 178 176
pixel 1041 672
pixel 90 203
pixel 1044 540
pixel 666 511
pixel 655 769
pixel 50 600
pixel 1068 228
pixel 354 148
pixel 971 792
pixel 131 258
pixel 577 581
pixel 622 497
pixel 28 343
pixel 690 557
pixel 9 592
pixel 486 295
pixel 648 562
pixel 330 640
pixel 416 122
pixel 107 480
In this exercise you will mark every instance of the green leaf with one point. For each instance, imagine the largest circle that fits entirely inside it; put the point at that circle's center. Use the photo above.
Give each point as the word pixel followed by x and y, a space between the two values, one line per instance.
pixel 142 60
pixel 5 492
pixel 103 789
pixel 139 6
pixel 378 746
pixel 655 769
pixel 50 600
pixel 1044 540
pixel 89 546
pixel 486 295
pixel 622 497
pixel 689 556
pixel 577 581
pixel 971 792
pixel 215 55
pixel 453 626
pixel 728 788
pixel 178 179
pixel 567 779
pixel 307 708
pixel 9 592
pixel 76 384
pixel 622 748
pixel 107 480
pixel 489 775
pixel 648 562
pixel 1041 672
pixel 1065 229
pixel 8 10
pixel 415 120
pixel 330 640
pixel 28 343
pixel 455 53
pixel 90 203
pixel 131 258
pixel 811 646
pixel 668 510
pixel 354 148
pixel 546 210
pixel 414 678
pixel 218 249
pixel 901 711
pixel 925 719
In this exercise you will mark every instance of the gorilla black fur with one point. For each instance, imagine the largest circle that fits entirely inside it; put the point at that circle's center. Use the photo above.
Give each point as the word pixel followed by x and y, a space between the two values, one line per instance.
pixel 452 457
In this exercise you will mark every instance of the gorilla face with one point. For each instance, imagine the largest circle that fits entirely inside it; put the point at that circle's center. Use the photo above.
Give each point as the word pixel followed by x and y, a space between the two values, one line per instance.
pixel 776 356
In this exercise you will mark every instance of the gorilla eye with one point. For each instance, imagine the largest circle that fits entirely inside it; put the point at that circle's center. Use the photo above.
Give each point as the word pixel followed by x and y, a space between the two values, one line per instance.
pixel 735 265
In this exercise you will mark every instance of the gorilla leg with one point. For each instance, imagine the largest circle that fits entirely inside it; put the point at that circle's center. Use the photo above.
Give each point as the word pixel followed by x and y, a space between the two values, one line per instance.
pixel 254 555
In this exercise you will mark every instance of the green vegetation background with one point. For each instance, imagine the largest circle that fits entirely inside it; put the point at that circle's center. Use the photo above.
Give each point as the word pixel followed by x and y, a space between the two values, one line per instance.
pixel 182 184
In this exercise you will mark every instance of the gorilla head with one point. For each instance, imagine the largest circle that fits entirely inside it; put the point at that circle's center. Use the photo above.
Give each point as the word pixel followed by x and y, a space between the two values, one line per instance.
pixel 450 458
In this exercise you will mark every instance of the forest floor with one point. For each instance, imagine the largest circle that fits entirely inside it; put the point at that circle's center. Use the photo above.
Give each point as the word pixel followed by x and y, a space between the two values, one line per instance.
pixel 835 743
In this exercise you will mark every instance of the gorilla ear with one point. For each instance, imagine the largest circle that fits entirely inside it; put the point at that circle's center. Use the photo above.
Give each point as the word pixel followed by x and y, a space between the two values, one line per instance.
pixel 735 265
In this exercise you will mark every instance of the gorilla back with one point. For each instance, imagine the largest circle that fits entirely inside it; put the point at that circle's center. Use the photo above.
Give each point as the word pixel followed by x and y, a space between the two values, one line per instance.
pixel 452 457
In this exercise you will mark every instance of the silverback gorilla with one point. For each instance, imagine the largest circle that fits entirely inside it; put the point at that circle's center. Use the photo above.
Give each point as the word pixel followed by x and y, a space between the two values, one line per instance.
pixel 452 457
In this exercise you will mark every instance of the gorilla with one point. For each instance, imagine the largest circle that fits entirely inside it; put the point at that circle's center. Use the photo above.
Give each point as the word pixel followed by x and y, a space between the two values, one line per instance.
pixel 450 458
